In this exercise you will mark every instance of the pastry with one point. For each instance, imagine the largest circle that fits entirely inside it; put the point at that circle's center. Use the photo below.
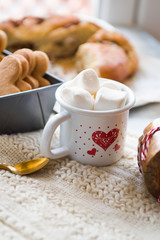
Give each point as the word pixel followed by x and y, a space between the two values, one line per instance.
pixel 58 36
pixel 108 60
pixel 73 45
pixel 120 40
pixel 3 40
pixel 110 54
pixel 3 43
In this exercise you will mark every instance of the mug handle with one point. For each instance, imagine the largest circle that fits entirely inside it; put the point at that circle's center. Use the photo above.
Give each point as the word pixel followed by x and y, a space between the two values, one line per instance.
pixel 49 129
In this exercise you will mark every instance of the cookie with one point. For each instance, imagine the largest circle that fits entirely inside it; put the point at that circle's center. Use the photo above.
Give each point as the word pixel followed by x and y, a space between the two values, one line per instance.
pixel 21 84
pixel 42 63
pixel 10 70
pixel 29 55
pixel 34 83
pixel 38 65
pixel 42 81
pixel 24 65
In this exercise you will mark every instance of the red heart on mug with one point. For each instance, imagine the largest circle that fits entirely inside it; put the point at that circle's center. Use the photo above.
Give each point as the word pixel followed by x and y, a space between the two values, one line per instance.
pixel 92 152
pixel 117 147
pixel 104 140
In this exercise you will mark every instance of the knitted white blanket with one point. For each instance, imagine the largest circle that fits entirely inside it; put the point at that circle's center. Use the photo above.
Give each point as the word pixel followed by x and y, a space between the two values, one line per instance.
pixel 68 200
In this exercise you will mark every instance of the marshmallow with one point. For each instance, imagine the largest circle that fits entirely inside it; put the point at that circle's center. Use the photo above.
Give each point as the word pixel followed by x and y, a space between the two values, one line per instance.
pixel 86 92
pixel 78 97
pixel 87 80
pixel 108 99
pixel 109 85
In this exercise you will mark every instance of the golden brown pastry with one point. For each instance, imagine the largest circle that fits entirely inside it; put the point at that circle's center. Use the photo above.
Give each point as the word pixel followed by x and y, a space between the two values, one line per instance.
pixel 108 60
pixel 110 54
pixel 31 28
pixel 3 40
pixel 119 39
pixel 74 44
pixel 3 43
pixel 58 36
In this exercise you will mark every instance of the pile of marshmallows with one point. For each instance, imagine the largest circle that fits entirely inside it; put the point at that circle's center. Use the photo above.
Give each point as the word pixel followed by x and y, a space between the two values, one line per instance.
pixel 87 92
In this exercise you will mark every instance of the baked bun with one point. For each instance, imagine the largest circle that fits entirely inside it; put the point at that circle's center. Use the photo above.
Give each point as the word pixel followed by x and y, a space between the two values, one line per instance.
pixel 58 36
pixel 3 43
pixel 105 37
pixel 74 45
pixel 108 60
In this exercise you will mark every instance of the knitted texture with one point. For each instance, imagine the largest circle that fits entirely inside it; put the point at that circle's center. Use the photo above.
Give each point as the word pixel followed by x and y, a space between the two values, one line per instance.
pixel 68 200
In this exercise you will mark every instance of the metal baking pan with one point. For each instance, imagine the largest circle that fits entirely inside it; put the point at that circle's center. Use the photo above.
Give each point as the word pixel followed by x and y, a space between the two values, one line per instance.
pixel 28 111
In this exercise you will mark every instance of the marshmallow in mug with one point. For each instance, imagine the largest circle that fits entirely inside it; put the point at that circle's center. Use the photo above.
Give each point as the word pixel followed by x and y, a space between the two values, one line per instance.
pixel 107 99
pixel 85 91
pixel 78 97
pixel 87 80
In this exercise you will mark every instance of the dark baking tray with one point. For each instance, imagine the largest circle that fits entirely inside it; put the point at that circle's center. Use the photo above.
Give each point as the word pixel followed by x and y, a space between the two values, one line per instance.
pixel 28 111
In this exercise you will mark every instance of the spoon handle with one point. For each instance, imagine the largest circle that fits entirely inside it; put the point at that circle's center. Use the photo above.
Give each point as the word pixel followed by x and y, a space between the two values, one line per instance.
pixel 5 167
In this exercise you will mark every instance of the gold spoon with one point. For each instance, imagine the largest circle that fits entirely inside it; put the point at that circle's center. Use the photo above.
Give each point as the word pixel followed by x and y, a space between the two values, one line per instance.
pixel 26 167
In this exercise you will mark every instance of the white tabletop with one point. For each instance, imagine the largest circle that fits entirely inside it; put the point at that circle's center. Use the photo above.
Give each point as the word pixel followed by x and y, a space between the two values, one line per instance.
pixel 140 117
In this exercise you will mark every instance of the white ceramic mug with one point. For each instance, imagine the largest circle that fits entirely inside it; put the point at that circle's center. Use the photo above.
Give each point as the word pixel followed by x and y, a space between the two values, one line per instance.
pixel 90 137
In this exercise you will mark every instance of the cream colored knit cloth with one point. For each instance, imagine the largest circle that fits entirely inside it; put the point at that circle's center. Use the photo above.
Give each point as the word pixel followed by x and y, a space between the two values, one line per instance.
pixel 68 200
